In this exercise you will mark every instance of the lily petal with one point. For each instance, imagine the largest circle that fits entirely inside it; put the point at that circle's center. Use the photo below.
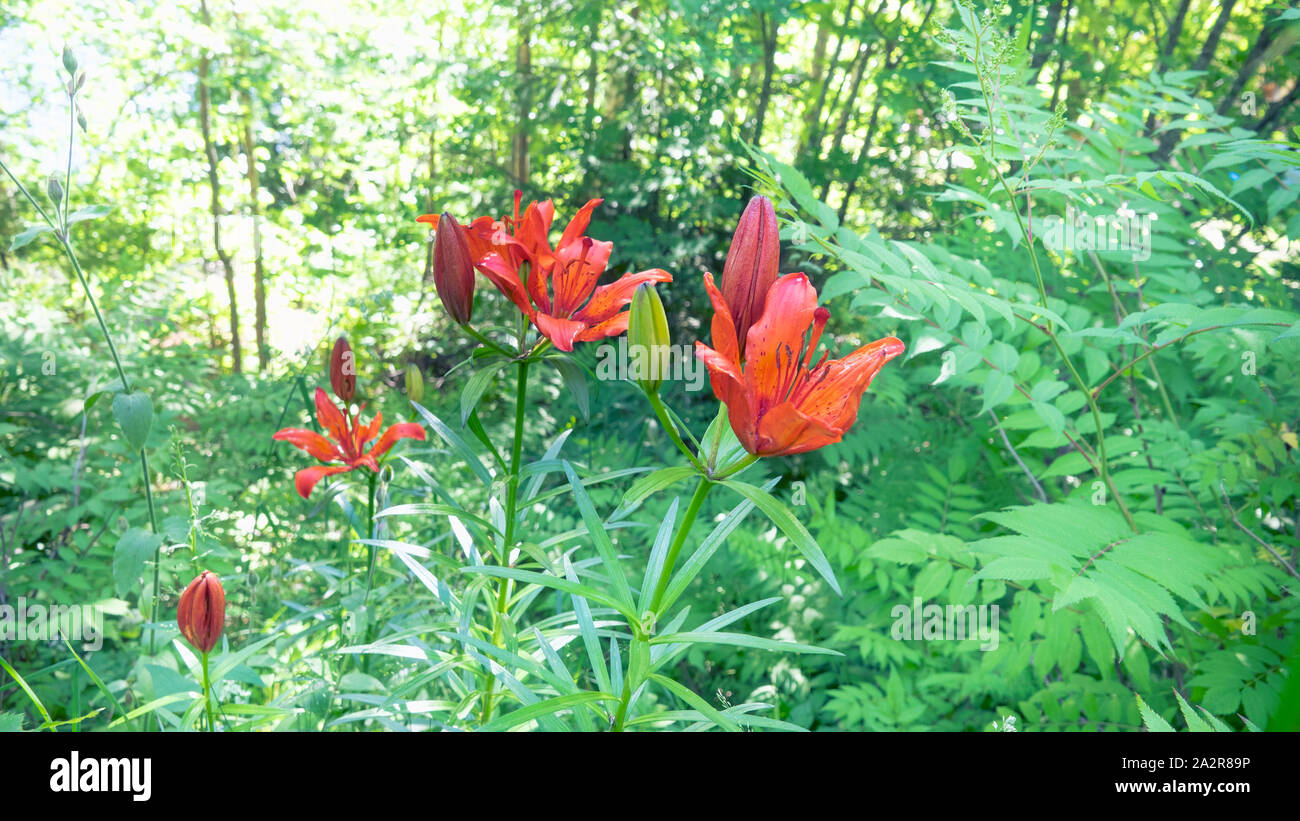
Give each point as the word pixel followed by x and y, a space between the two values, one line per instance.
pixel 576 277
pixel 723 327
pixel 306 479
pixel 785 430
pixel 402 430
pixel 774 347
pixel 731 389
pixel 578 225
pixel 562 332
pixel 369 432
pixel 833 392
pixel 311 442
pixel 333 421
pixel 608 299
pixel 610 327
pixel 506 280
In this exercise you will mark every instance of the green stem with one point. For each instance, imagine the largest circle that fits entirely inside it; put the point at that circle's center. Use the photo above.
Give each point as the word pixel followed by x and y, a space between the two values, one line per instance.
pixel 61 231
pixel 370 535
pixel 371 556
pixel 483 338
pixel 207 694
pixel 738 467
pixel 512 503
pixel 661 586
pixel 126 387
pixel 67 177
pixel 688 519
pixel 671 428
pixel 1103 465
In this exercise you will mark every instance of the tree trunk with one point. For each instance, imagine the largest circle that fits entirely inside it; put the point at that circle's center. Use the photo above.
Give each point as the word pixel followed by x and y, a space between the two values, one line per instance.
pixel 1212 42
pixel 214 182
pixel 255 210
pixel 819 50
pixel 812 119
pixel 768 29
pixel 1044 48
pixel 1253 61
pixel 852 100
pixel 1175 31
pixel 1275 111
pixel 852 184
pixel 524 103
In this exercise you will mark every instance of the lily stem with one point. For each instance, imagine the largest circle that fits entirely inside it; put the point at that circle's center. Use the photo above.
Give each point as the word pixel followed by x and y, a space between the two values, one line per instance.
pixel 370 560
pixel 661 587
pixel 207 695
pixel 512 503
pixel 671 428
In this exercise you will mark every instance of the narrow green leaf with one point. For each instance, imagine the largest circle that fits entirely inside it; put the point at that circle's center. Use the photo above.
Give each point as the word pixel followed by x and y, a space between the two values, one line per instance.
pixel 685 694
pixel 457 444
pixel 742 640
pixel 575 380
pixel 475 387
pixel 596 527
pixel 543 708
pixel 790 526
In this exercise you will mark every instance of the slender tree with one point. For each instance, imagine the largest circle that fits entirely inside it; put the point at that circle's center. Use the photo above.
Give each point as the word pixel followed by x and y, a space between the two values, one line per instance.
pixel 214 183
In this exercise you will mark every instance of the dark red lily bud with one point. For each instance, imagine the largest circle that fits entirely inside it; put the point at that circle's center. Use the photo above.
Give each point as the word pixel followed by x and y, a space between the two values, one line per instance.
pixel 453 269
pixel 201 614
pixel 343 370
pixel 751 265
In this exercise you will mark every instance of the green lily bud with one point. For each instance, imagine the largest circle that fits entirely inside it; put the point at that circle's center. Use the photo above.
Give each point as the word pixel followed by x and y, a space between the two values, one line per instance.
pixel 414 383
pixel 69 61
pixel 648 339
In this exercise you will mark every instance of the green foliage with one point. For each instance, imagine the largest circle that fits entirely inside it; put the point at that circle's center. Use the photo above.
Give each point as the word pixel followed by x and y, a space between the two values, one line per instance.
pixel 1096 437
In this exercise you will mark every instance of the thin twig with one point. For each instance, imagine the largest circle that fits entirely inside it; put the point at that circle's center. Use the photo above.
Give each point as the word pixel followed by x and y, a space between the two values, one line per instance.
pixel 1233 513
pixel 1038 488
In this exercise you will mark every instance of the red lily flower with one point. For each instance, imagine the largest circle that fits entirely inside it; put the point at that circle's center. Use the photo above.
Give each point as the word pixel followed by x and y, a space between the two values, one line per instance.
pixel 348 445
pixel 557 291
pixel 777 404
pixel 201 612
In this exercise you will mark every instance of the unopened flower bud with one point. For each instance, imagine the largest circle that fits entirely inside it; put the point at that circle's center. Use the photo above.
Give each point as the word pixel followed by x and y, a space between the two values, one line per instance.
pixel 648 339
pixel 201 614
pixel 343 370
pixel 751 265
pixel 453 268
pixel 54 190
pixel 414 383
pixel 69 60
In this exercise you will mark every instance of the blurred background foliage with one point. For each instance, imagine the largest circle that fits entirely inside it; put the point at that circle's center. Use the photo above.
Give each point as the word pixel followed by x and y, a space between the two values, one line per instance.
pixel 265 162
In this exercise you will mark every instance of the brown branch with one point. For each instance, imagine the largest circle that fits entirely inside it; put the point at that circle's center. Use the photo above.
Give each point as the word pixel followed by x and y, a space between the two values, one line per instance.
pixel 1233 513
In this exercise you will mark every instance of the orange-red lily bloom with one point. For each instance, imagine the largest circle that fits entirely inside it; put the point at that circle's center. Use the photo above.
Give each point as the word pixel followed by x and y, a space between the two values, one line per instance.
pixel 555 287
pixel 201 612
pixel 776 403
pixel 346 443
